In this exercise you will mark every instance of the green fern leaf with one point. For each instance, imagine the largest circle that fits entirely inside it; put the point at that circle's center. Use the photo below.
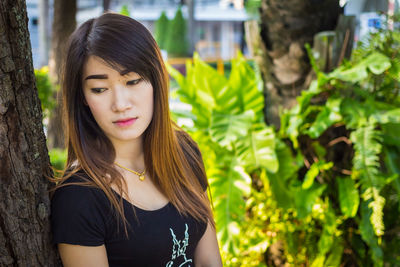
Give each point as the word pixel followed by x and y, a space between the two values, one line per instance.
pixel 366 140
pixel 328 116
pixel 367 234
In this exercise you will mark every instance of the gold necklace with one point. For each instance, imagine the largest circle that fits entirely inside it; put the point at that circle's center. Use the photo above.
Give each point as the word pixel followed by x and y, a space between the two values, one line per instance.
pixel 140 174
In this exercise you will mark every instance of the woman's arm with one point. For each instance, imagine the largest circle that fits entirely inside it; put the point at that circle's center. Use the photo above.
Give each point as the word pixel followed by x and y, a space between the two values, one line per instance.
pixel 207 250
pixel 77 256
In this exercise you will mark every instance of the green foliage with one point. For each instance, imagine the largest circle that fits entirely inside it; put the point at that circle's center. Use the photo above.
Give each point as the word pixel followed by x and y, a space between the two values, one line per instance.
pixel 125 11
pixel 349 198
pixel 58 158
pixel 361 98
pixel 176 42
pixel 326 186
pixel 229 128
pixel 252 7
pixel 161 30
pixel 45 90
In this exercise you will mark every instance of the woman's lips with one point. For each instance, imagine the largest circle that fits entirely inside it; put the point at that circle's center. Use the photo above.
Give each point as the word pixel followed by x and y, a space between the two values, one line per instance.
pixel 125 122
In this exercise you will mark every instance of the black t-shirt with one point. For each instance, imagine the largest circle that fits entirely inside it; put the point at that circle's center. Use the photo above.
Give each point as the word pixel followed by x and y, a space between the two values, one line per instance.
pixel 83 215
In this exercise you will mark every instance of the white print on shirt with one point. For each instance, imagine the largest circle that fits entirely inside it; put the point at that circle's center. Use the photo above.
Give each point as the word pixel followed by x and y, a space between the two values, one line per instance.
pixel 179 249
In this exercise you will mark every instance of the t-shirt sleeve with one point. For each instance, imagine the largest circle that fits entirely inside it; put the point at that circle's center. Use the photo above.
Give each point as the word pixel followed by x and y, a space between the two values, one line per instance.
pixel 76 217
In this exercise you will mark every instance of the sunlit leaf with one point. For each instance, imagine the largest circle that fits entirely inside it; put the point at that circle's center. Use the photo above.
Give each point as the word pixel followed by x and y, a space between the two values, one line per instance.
pixel 377 63
pixel 329 115
pixel 349 198
pixel 229 185
pixel 228 128
pixel 305 198
pixel 257 149
pixel 391 116
pixel 243 82
pixel 314 170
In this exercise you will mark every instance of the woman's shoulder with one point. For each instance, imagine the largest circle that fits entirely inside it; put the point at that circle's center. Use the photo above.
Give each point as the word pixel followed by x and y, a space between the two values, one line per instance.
pixel 79 213
pixel 78 190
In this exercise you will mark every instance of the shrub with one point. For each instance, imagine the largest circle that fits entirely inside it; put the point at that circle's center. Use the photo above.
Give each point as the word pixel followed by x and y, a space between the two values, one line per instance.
pixel 125 11
pixel 58 158
pixel 45 90
pixel 324 190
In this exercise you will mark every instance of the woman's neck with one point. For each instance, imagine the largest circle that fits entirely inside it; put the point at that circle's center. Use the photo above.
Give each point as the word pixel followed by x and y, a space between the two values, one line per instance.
pixel 130 154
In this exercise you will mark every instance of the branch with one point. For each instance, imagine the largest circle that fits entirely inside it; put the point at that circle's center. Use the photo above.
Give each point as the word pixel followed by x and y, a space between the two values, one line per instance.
pixel 340 139
pixel 343 171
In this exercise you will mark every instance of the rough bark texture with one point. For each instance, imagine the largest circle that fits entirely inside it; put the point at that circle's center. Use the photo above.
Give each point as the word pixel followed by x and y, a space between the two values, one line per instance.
pixel 64 24
pixel 286 26
pixel 24 201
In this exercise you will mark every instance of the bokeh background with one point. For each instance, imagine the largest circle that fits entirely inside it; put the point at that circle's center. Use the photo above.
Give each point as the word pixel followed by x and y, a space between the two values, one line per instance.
pixel 295 106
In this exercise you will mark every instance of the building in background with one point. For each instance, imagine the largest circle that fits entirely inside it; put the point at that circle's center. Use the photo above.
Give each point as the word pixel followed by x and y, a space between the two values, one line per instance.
pixel 369 14
pixel 32 7
pixel 219 31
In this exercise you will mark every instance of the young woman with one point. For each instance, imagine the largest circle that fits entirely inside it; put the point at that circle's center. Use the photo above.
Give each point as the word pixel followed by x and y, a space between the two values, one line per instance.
pixel 134 189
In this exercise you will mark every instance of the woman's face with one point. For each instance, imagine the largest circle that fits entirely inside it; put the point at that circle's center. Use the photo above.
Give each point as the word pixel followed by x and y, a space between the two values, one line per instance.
pixel 122 105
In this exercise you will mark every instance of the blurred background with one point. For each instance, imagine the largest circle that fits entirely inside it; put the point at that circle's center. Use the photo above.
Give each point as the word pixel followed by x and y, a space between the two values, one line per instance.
pixel 217 30
pixel 295 105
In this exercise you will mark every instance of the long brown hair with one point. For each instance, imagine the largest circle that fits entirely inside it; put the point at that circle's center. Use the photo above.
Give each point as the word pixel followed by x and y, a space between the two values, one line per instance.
pixel 171 157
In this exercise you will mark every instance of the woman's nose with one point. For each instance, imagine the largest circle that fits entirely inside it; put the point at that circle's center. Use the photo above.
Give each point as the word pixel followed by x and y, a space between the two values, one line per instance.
pixel 121 100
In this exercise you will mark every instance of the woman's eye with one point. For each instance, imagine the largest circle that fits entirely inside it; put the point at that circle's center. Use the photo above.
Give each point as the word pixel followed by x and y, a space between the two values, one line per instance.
pixel 98 90
pixel 133 82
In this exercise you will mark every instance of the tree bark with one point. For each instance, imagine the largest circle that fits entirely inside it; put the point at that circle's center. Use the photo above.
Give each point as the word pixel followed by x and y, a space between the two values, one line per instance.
pixel 64 24
pixel 286 26
pixel 25 238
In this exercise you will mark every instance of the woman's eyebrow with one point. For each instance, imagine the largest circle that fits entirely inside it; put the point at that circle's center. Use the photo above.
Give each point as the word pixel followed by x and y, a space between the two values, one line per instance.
pixel 97 76
pixel 124 72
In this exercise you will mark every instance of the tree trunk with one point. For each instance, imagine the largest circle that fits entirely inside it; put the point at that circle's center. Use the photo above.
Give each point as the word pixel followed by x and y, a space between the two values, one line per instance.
pixel 24 202
pixel 64 24
pixel 43 32
pixel 286 26
pixel 106 5
pixel 191 25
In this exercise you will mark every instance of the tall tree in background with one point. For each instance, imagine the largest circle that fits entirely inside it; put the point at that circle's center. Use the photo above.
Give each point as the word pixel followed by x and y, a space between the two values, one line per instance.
pixel 64 24
pixel 24 202
pixel 176 42
pixel 161 28
pixel 286 26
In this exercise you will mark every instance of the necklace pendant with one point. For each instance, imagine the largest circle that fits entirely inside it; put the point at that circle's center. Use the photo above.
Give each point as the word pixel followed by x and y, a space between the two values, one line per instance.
pixel 141 177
